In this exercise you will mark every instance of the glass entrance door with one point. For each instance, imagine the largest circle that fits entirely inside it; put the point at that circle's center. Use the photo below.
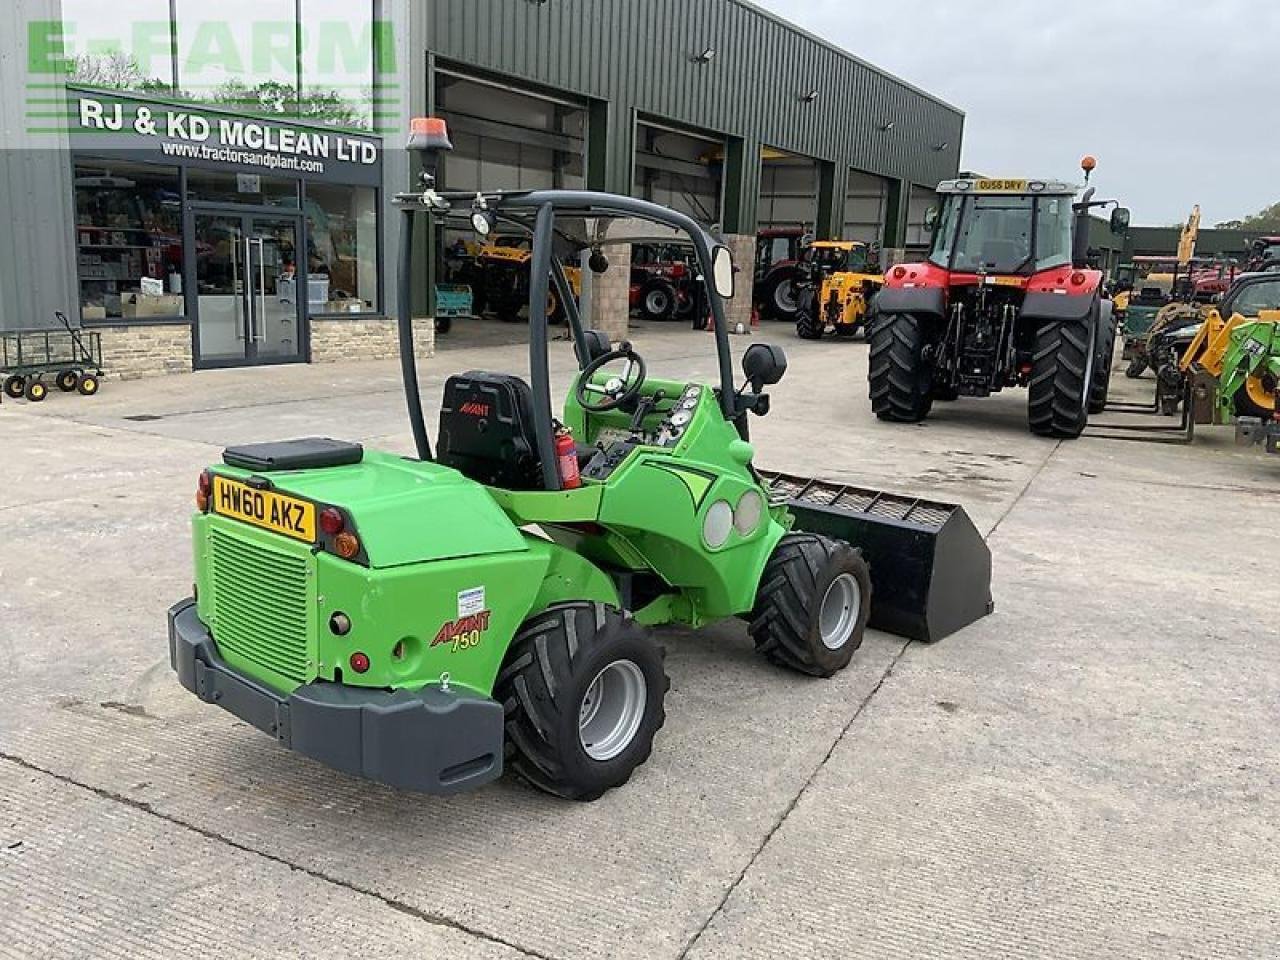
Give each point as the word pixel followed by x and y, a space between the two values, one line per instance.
pixel 248 292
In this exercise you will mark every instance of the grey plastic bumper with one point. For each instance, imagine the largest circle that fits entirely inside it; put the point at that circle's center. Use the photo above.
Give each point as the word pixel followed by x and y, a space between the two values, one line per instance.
pixel 432 740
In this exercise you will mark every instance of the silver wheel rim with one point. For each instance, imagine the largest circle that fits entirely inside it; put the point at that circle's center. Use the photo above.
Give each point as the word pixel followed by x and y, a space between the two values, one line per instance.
pixel 784 295
pixel 657 302
pixel 611 710
pixel 841 605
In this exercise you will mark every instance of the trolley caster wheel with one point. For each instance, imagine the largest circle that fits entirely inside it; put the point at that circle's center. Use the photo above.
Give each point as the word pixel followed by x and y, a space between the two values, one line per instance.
pixel 67 380
pixel 36 391
pixel 444 324
pixel 15 386
pixel 87 384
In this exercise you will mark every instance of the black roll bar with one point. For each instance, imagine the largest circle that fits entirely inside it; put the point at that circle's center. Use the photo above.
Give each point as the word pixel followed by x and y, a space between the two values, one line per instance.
pixel 539 367
pixel 408 355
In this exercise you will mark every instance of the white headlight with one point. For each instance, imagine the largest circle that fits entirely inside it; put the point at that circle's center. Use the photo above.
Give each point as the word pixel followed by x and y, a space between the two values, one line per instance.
pixel 748 513
pixel 717 526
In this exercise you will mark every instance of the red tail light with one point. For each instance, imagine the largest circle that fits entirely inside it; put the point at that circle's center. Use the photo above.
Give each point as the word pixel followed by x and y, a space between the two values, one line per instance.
pixel 332 521
pixel 360 662
pixel 346 545
pixel 1077 279
pixel 899 272
pixel 204 487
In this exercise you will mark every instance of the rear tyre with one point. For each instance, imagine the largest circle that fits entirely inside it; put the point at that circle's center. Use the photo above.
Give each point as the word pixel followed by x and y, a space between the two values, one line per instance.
pixel 36 391
pixel 66 380
pixel 15 386
pixel 1247 406
pixel 780 300
pixel 1137 367
pixel 1100 388
pixel 900 377
pixel 1061 375
pixel 808 324
pixel 87 385
pixel 812 605
pixel 583 688
pixel 658 300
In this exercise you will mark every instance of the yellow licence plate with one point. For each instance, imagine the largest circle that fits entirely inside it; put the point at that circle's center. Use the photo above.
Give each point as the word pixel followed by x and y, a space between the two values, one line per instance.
pixel 272 511
pixel 1004 281
pixel 1001 186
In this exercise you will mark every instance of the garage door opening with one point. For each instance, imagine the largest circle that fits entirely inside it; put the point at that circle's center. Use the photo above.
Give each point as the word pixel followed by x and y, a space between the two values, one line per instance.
pixel 503 139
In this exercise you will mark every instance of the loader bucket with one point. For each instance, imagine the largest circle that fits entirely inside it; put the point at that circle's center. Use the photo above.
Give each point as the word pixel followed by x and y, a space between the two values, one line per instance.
pixel 930 568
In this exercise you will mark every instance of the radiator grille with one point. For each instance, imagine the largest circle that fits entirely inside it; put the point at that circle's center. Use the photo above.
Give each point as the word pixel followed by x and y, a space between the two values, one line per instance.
pixel 260 605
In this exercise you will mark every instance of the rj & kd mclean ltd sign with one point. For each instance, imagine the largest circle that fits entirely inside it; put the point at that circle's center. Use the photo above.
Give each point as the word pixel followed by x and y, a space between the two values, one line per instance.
pixel 190 135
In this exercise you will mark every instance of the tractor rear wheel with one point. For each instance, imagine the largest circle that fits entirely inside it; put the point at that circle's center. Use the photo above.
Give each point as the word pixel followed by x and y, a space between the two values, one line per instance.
pixel 1103 359
pixel 582 687
pixel 901 379
pixel 779 298
pixel 812 605
pixel 658 300
pixel 1255 400
pixel 1061 376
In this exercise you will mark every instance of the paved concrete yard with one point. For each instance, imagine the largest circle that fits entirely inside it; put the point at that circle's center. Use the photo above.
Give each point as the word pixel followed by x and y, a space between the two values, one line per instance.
pixel 1091 772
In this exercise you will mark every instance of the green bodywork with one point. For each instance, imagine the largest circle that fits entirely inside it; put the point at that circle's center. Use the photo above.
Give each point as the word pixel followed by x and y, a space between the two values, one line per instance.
pixel 1254 352
pixel 435 539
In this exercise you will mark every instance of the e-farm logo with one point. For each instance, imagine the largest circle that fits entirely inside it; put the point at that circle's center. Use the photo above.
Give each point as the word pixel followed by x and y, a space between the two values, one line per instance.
pixel 337 72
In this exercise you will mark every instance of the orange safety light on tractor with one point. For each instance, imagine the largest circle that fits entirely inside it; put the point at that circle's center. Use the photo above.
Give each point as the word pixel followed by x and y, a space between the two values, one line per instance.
pixel 429 133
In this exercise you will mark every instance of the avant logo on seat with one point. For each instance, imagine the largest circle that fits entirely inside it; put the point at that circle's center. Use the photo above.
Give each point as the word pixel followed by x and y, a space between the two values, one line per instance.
pixel 474 408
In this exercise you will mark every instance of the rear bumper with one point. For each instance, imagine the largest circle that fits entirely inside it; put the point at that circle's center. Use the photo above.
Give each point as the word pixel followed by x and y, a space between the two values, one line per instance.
pixel 433 740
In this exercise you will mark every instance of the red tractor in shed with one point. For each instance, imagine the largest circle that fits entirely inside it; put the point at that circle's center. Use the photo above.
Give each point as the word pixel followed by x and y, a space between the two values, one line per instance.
pixel 1005 298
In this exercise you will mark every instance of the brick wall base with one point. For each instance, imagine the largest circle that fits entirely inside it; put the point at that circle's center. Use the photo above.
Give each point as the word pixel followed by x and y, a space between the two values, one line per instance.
pixel 144 350
pixel 334 340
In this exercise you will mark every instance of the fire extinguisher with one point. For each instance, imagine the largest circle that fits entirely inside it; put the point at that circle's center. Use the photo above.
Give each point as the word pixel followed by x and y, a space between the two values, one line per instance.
pixel 567 459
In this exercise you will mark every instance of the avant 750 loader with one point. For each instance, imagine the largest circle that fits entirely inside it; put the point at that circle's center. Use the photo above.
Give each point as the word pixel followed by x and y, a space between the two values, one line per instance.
pixel 421 621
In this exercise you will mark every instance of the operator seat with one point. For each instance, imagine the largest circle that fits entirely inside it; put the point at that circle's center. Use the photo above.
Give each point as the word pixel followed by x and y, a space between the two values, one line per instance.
pixel 487 433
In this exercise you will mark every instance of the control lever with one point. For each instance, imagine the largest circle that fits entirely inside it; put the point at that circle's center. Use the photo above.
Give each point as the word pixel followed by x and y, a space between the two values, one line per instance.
pixel 645 406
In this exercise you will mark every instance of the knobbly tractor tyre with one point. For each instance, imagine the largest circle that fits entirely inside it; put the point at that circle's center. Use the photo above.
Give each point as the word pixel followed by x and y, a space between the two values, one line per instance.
pixel 1100 389
pixel 582 688
pixel 812 605
pixel 809 325
pixel 1061 377
pixel 901 378
pixel 658 300
pixel 1137 367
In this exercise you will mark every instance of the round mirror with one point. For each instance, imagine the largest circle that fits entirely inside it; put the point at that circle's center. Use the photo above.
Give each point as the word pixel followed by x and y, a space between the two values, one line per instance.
pixel 722 272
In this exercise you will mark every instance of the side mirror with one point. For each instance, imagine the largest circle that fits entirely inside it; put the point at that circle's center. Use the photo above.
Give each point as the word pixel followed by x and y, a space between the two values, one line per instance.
pixel 763 365
pixel 931 219
pixel 1120 220
pixel 597 342
pixel 722 272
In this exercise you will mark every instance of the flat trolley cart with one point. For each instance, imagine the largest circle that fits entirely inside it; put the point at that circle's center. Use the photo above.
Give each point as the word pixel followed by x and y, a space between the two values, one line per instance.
pixel 70 358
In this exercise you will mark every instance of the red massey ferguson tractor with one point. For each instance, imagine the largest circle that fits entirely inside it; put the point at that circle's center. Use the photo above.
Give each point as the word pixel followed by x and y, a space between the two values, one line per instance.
pixel 1005 298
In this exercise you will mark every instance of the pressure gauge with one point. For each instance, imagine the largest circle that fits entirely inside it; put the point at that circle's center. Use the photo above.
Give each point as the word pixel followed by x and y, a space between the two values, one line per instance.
pixel 681 418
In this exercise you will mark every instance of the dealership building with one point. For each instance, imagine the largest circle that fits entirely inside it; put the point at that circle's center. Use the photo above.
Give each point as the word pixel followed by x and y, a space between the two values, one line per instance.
pixel 207 185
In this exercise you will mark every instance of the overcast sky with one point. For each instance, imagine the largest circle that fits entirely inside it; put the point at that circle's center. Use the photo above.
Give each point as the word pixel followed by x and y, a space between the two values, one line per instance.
pixel 1177 100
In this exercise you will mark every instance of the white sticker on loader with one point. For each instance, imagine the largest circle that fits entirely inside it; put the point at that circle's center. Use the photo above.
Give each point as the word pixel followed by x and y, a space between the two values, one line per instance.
pixel 471 602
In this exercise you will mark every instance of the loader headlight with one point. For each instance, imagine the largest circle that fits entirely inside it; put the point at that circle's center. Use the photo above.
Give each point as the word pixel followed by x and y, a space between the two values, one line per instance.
pixel 717 525
pixel 746 516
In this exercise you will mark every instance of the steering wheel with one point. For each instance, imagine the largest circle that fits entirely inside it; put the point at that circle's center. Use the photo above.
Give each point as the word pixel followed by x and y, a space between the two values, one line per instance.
pixel 616 390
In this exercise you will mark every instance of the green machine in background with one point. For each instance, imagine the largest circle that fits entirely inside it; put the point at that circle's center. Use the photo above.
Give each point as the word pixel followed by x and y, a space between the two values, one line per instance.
pixel 422 621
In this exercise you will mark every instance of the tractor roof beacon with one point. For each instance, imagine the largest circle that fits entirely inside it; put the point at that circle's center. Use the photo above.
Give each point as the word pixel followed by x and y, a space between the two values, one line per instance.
pixel 421 621
pixel 1005 298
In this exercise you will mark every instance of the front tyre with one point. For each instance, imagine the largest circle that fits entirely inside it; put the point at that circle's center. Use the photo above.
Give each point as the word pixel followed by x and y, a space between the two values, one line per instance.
pixel 901 379
pixel 582 688
pixel 812 605
pixel 1061 376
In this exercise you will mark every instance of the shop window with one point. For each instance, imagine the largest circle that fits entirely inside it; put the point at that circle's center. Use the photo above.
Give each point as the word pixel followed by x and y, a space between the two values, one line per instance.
pixel 342 248
pixel 242 54
pixel 211 186
pixel 129 240
pixel 123 45
pixel 338 63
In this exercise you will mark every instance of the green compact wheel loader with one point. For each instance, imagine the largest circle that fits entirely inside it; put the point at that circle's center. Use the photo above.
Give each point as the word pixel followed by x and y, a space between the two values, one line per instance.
pixel 425 621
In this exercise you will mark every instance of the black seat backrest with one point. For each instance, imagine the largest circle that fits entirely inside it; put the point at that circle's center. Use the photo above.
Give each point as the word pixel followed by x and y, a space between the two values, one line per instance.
pixel 486 430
